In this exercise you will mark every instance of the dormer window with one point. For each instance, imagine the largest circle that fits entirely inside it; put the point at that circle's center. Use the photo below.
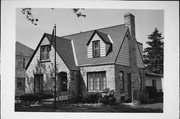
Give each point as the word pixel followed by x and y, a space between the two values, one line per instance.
pixel 99 45
pixel 96 48
pixel 44 52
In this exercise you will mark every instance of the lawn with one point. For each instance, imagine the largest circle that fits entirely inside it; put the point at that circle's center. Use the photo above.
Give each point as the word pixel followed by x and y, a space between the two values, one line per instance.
pixel 79 107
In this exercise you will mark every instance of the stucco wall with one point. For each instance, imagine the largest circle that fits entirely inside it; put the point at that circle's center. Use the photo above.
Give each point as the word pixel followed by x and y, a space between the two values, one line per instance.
pixel 45 68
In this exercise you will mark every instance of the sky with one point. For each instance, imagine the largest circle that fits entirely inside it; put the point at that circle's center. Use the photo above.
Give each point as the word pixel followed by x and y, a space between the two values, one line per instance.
pixel 68 23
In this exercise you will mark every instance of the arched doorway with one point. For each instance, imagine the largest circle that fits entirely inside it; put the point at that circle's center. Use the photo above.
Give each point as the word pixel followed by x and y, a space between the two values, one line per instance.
pixel 63 81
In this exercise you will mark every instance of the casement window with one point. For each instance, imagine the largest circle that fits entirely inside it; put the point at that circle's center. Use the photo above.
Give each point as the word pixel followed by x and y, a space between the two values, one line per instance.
pixel 96 81
pixel 20 83
pixel 38 83
pixel 96 48
pixel 44 52
pixel 121 77
pixel 21 63
pixel 154 83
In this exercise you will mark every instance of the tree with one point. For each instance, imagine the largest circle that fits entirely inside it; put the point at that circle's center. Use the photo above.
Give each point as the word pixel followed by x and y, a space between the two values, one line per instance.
pixel 153 55
pixel 28 13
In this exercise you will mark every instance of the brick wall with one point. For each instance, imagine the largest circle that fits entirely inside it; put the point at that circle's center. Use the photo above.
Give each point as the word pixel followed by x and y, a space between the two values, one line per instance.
pixel 110 76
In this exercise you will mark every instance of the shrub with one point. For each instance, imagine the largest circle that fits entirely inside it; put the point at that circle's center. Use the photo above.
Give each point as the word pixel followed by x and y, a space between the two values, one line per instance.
pixel 35 97
pixel 143 99
pixel 108 98
pixel 93 97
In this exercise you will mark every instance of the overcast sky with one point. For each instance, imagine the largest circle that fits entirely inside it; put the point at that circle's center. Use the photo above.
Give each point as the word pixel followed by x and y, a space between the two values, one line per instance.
pixel 67 23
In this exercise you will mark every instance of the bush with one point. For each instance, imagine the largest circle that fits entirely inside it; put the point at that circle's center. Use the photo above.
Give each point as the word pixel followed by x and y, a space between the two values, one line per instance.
pixel 143 99
pixel 93 97
pixel 108 98
pixel 35 97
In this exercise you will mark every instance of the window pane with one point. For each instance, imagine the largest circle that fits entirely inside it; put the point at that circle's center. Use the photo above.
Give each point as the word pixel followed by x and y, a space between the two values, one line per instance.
pixel 44 53
pixel 96 81
pixel 96 48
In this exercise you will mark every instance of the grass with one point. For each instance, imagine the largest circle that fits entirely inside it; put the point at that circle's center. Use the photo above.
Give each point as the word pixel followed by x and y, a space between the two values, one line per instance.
pixel 79 107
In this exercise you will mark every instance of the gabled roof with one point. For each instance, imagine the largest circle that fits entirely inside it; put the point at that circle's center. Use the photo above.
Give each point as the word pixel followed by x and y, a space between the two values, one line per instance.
pixel 102 35
pixel 23 50
pixel 117 34
pixel 64 50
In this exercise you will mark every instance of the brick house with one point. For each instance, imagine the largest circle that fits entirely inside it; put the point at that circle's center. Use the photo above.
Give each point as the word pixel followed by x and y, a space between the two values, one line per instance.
pixel 89 62
pixel 23 55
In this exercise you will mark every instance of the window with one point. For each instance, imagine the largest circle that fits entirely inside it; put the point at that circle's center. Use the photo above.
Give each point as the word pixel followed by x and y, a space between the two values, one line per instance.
pixel 96 48
pixel 21 63
pixel 20 83
pixel 38 83
pixel 121 77
pixel 96 81
pixel 141 83
pixel 63 81
pixel 44 52
pixel 154 83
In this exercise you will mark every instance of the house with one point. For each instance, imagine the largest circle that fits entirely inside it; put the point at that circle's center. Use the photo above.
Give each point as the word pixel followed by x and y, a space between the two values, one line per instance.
pixel 89 61
pixel 23 55
pixel 154 80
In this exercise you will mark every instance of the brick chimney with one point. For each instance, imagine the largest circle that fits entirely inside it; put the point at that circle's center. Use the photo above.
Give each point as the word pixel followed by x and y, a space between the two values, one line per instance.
pixel 129 20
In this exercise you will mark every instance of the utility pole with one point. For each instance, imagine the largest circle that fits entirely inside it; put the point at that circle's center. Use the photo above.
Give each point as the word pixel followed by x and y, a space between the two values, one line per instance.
pixel 55 106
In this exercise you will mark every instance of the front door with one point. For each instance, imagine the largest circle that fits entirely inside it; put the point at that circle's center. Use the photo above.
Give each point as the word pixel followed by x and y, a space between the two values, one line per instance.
pixel 129 85
pixel 38 83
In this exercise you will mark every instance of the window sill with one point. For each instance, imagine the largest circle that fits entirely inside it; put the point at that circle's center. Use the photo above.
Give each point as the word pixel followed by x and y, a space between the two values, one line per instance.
pixel 42 61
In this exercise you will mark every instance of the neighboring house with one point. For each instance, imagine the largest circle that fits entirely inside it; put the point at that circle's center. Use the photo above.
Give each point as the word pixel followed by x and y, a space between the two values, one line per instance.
pixel 89 62
pixel 154 80
pixel 23 54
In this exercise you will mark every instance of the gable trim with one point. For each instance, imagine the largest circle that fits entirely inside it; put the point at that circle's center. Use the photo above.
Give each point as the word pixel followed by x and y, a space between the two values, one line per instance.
pixel 110 38
pixel 121 45
pixel 96 32
pixel 74 52
pixel 91 37
pixel 35 51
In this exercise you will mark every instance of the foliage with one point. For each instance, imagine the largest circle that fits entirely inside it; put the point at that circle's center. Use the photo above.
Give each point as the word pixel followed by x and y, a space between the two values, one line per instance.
pixel 29 16
pixel 28 13
pixel 153 55
pixel 93 97
pixel 78 12
pixel 35 97
pixel 108 98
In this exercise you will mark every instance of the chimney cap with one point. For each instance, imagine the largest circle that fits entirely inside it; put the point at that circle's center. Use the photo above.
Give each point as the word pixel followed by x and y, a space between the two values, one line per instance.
pixel 128 14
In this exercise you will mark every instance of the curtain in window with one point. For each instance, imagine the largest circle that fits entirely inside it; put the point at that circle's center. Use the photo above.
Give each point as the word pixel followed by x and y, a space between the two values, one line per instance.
pixel 96 81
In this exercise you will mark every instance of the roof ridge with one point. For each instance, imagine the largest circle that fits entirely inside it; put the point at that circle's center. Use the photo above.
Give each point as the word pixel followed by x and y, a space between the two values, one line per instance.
pixel 87 31
pixel 93 30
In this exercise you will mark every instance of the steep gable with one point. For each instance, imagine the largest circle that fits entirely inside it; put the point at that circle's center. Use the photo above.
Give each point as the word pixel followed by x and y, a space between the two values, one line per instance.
pixel 123 55
pixel 64 50
pixel 139 58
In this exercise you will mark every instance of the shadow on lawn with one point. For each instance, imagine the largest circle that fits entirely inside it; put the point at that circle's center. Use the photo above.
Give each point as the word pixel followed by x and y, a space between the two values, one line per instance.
pixel 79 107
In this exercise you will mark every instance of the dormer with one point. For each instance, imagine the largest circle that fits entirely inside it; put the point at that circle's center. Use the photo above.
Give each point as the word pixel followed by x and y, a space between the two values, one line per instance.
pixel 99 45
